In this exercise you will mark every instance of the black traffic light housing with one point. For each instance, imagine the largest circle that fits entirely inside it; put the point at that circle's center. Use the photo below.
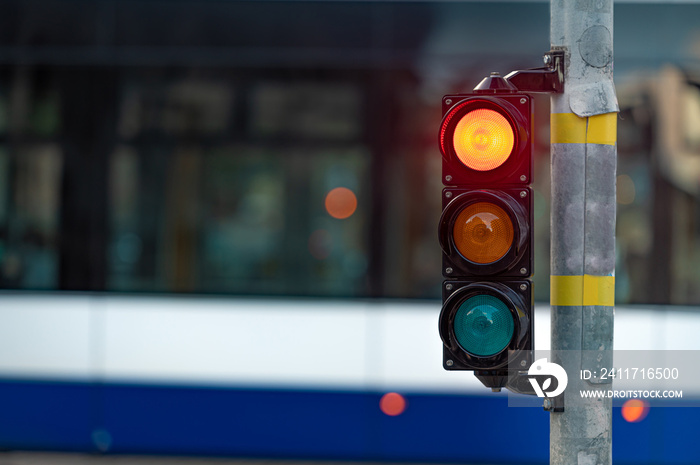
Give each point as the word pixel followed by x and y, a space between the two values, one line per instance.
pixel 517 203
pixel 485 231
pixel 517 111
pixel 518 298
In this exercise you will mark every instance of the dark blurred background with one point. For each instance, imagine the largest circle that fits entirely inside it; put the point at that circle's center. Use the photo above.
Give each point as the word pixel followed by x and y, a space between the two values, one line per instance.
pixel 188 146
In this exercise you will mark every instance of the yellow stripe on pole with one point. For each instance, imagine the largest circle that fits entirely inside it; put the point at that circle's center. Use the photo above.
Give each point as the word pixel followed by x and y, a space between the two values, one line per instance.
pixel 568 128
pixel 582 290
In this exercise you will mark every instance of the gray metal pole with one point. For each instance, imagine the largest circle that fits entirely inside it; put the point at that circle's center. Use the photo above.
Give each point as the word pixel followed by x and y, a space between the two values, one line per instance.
pixel 584 160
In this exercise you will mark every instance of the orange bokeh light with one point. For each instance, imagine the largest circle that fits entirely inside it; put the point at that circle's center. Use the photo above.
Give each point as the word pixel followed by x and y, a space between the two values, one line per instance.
pixel 635 410
pixel 341 203
pixel 392 404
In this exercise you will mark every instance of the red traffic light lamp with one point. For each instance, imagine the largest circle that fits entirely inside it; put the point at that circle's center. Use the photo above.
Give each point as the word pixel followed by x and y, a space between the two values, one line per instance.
pixel 485 137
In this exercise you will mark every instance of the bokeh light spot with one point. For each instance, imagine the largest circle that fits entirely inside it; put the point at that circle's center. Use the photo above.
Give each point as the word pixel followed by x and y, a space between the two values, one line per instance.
pixel 392 404
pixel 635 410
pixel 341 203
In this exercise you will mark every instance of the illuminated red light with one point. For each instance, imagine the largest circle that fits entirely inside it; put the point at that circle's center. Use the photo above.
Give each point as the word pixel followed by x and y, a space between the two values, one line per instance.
pixel 483 139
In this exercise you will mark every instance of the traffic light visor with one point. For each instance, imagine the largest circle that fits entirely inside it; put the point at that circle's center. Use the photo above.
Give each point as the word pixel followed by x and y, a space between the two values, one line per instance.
pixel 483 325
pixel 483 139
pixel 483 233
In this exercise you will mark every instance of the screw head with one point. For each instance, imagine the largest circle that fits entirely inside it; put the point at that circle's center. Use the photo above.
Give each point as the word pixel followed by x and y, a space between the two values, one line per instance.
pixel 523 286
pixel 523 100
pixel 449 363
pixel 448 101
pixel 523 194
pixel 523 363
pixel 449 287
pixel 448 194
pixel 547 404
pixel 448 270
pixel 448 178
pixel 523 270
pixel 547 59
pixel 523 178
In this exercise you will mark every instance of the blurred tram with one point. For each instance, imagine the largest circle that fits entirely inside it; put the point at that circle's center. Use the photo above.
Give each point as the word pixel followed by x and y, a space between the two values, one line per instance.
pixel 285 378
pixel 218 228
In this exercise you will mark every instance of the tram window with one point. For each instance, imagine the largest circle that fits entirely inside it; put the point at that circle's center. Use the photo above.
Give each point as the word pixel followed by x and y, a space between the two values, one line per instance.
pixel 238 219
pixel 306 110
pixel 31 164
pixel 30 217
pixel 242 208
pixel 170 107
pixel 242 221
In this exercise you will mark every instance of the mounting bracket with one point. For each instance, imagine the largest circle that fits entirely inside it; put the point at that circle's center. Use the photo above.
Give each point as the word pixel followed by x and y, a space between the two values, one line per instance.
pixel 548 79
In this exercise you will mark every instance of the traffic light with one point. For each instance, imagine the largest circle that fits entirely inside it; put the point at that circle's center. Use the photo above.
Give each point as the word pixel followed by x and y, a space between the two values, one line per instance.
pixel 485 231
